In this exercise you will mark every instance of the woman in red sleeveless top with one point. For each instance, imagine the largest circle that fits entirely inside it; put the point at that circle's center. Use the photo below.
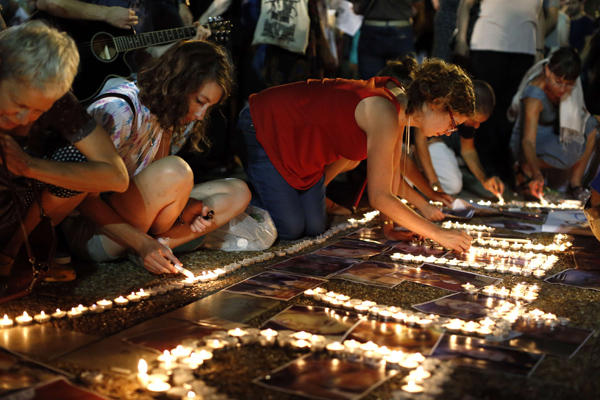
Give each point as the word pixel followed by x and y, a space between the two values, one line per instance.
pixel 291 132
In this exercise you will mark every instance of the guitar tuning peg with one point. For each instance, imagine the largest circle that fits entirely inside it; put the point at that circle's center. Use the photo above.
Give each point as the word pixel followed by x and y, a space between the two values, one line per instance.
pixel 211 20
pixel 219 18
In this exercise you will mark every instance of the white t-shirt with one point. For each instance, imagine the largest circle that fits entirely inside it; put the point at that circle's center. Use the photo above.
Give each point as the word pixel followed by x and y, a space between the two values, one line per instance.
pixel 507 26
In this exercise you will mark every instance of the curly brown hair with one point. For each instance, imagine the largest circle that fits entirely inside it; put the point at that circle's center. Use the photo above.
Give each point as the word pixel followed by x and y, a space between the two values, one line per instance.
pixel 444 84
pixel 167 83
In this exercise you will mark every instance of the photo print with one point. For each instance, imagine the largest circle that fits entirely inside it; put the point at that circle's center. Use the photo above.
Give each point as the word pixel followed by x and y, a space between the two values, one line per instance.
pixel 316 320
pixel 314 265
pixel 275 285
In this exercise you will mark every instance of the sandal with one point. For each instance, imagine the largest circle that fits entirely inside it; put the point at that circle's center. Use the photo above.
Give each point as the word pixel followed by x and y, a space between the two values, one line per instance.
pixel 580 193
pixel 333 208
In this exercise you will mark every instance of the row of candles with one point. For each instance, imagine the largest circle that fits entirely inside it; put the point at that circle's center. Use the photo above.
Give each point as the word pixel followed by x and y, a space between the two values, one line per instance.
pixel 540 204
pixel 191 279
pixel 467 227
pixel 174 373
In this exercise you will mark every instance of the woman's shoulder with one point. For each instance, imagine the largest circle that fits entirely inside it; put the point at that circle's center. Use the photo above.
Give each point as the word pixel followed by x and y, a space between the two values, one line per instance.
pixel 535 91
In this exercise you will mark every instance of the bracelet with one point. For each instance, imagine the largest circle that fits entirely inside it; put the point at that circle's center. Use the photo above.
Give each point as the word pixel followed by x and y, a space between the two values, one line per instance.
pixel 384 223
pixel 436 186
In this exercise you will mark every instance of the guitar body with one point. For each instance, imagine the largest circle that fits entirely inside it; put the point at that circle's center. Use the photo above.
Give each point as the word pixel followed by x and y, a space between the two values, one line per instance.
pixel 100 61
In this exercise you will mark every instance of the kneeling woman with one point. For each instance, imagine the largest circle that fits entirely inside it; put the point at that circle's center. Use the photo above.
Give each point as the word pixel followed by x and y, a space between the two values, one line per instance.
pixel 147 122
pixel 553 130
pixel 292 132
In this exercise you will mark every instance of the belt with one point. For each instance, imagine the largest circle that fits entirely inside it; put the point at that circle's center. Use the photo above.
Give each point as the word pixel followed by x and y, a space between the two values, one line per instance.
pixel 393 23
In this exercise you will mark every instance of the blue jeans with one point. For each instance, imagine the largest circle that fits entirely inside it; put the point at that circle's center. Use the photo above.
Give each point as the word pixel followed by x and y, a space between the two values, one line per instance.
pixel 296 213
pixel 377 45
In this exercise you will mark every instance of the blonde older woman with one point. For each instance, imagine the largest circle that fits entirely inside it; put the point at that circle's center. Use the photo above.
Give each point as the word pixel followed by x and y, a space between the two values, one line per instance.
pixel 37 67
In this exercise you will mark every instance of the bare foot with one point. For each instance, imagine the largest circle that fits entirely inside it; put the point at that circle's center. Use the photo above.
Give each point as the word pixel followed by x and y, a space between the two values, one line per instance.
pixel 335 209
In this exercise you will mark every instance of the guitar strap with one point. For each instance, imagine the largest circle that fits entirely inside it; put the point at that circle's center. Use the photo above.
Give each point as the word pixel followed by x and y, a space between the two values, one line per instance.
pixel 120 96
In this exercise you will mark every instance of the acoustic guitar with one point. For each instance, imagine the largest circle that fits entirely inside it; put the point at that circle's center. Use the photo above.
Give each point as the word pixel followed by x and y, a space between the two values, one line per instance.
pixel 103 48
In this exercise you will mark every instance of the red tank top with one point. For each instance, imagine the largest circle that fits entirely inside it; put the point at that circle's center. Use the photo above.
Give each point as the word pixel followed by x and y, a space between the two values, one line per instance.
pixel 304 126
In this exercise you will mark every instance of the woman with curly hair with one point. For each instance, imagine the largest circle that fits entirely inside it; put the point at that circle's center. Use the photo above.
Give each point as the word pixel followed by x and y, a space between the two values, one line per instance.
pixel 292 132
pixel 148 122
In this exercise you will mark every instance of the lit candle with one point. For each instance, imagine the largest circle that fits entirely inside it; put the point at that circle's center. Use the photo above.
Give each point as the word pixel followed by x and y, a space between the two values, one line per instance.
pixel 193 361
pixel 181 351
pixel 299 344
pixel 393 359
pixel 204 354
pixel 143 295
pixel 267 337
pixel 42 317
pixel 58 314
pixel 134 298
pixel 74 313
pixel 335 348
pixel 158 386
pixel 469 288
pixel 215 344
pixel 82 309
pixel 121 301
pixel 142 375
pixel 104 304
pixel 237 333
pixel 6 322
pixel 24 319
pixel 302 335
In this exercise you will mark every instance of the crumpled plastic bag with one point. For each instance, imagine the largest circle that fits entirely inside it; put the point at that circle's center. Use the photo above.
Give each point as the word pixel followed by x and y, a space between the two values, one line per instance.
pixel 252 230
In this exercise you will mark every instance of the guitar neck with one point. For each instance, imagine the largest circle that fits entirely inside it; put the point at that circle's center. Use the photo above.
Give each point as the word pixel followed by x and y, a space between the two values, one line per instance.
pixel 141 40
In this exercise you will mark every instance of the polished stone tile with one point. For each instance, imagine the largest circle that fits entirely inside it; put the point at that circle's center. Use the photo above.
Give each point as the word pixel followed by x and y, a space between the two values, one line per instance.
pixel 225 305
pixel 43 342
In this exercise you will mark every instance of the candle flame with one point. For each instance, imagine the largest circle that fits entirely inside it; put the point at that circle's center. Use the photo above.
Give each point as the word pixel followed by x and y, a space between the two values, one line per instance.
pixel 142 366
pixel 25 314
pixel 191 395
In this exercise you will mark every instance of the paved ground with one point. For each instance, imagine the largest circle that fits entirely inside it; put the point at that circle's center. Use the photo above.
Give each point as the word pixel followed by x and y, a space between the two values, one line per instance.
pixel 94 342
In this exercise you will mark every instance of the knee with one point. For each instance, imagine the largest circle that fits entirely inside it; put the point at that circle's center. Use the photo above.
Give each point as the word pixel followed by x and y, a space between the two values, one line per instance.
pixel 174 171
pixel 290 227
pixel 241 193
pixel 452 186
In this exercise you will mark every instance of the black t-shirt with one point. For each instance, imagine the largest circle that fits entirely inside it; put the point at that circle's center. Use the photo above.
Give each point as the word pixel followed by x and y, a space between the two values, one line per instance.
pixel 67 122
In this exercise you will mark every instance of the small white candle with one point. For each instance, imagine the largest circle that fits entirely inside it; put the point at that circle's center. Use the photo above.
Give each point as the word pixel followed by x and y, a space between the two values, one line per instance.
pixel 82 309
pixel 143 295
pixel 335 348
pixel 302 335
pixel 6 322
pixel 237 332
pixel 42 317
pixel 58 314
pixel 181 351
pixel 134 298
pixel 105 304
pixel 74 313
pixel 24 319
pixel 158 386
pixel 204 354
pixel 412 387
pixel 121 301
pixel 143 372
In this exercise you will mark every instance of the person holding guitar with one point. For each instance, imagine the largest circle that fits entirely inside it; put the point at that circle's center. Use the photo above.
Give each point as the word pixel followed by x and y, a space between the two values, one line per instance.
pixel 148 122
pixel 41 126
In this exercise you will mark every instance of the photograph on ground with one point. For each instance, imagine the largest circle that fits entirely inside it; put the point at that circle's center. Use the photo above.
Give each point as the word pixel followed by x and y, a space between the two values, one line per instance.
pixel 352 249
pixel 316 320
pixel 275 285
pixel 371 273
pixel 314 265
pixel 466 351
pixel 460 305
pixel 321 377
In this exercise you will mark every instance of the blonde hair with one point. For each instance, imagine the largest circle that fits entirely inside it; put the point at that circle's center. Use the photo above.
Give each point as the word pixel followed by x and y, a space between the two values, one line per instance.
pixel 38 56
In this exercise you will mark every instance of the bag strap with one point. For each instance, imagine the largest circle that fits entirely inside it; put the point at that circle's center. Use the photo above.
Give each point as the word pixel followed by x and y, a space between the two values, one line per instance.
pixel 17 201
pixel 122 97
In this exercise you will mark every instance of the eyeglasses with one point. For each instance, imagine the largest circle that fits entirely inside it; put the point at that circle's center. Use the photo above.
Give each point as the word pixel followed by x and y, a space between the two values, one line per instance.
pixel 561 83
pixel 454 127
